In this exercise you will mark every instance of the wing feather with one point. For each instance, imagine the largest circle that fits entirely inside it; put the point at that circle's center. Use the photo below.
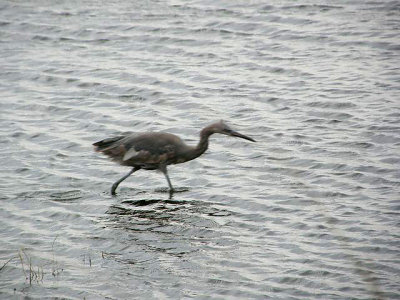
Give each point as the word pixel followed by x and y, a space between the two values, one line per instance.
pixel 149 149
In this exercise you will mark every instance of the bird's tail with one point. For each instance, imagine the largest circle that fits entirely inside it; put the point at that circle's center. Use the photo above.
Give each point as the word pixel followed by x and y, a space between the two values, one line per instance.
pixel 106 144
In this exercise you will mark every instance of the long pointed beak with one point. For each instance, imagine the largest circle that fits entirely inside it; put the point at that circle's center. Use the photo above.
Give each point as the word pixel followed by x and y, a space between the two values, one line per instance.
pixel 237 134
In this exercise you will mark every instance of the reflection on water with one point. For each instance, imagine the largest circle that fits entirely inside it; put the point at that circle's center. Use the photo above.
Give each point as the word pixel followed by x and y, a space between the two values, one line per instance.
pixel 155 215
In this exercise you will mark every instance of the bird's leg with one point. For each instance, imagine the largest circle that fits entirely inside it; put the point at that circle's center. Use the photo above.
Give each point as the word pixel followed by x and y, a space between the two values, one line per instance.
pixel 115 185
pixel 163 169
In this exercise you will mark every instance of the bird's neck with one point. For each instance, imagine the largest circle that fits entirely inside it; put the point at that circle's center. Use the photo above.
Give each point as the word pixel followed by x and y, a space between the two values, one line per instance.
pixel 202 146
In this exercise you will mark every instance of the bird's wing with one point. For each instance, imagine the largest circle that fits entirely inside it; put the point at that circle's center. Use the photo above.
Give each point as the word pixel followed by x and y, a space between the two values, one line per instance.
pixel 149 148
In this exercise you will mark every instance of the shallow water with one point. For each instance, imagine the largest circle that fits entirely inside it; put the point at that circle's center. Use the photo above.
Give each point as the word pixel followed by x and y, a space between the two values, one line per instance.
pixel 310 211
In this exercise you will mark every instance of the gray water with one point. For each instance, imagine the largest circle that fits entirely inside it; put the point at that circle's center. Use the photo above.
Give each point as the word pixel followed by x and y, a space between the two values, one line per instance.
pixel 310 211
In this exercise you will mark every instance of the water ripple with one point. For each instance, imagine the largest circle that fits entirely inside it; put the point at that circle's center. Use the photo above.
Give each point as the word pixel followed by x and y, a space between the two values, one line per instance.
pixel 310 211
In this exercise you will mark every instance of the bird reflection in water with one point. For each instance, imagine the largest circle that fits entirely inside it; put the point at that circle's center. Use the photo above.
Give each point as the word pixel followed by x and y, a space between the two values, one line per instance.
pixel 151 227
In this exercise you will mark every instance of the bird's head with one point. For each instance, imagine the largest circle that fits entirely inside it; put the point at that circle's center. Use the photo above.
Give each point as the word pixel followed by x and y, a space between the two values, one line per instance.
pixel 222 128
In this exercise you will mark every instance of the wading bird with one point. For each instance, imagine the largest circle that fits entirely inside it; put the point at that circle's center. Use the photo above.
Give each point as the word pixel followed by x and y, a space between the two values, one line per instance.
pixel 156 150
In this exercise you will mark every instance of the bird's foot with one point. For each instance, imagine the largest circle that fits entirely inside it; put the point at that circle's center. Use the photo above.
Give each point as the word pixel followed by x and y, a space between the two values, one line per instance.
pixel 113 188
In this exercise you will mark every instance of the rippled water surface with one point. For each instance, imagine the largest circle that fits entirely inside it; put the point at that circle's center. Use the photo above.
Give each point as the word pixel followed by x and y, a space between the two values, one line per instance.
pixel 310 211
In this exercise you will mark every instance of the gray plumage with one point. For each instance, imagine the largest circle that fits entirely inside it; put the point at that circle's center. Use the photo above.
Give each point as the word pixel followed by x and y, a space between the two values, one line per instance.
pixel 156 150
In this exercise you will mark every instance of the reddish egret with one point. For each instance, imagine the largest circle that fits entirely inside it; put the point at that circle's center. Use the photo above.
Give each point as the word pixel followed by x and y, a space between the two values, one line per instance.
pixel 156 150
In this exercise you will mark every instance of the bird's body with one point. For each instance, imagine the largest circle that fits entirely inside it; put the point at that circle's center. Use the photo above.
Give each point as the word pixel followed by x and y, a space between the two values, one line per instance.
pixel 148 150
pixel 156 150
